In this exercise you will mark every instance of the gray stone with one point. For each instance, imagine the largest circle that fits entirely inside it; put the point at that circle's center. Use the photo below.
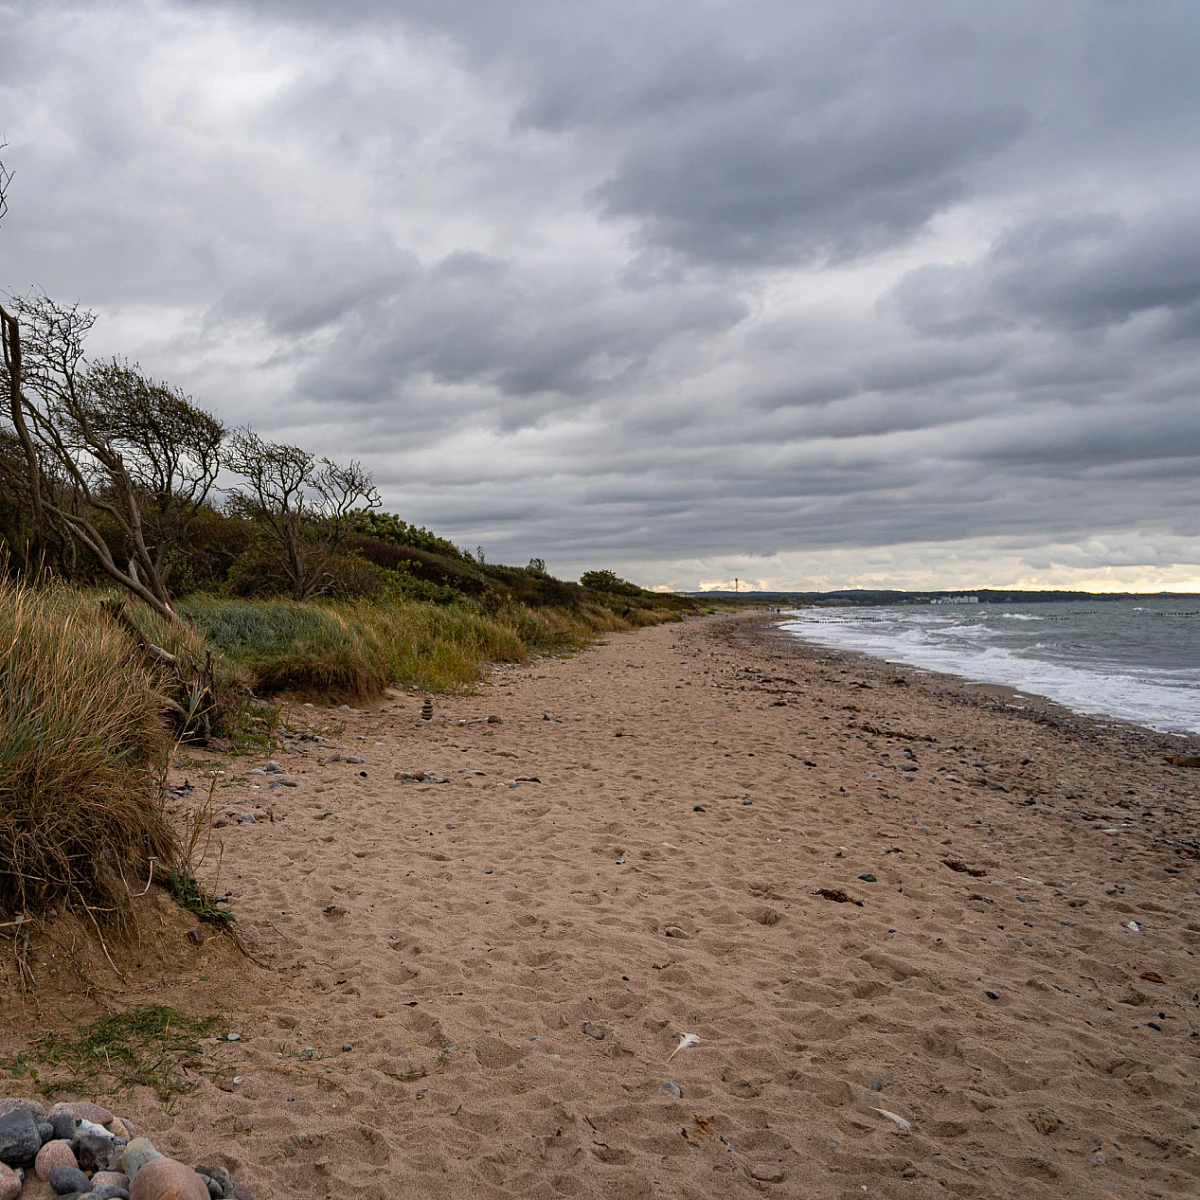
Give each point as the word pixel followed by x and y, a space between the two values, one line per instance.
pixel 218 1177
pixel 68 1179
pixel 594 1031
pixel 12 1104
pixel 867 877
pixel 110 1191
pixel 136 1155
pixel 672 1089
pixel 63 1123
pixel 877 1085
pixel 45 1131
pixel 92 1149
pixel 20 1138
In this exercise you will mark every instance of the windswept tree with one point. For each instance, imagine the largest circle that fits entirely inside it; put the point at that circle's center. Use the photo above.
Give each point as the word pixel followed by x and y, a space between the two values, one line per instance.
pixel 105 445
pixel 302 505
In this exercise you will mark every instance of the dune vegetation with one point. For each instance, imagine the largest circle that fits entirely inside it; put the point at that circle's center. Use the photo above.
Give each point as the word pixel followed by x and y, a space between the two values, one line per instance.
pixel 81 733
pixel 161 575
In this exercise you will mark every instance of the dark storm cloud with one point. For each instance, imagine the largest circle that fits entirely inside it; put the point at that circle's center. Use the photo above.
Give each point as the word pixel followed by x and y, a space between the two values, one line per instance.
pixel 1078 272
pixel 658 284
pixel 744 188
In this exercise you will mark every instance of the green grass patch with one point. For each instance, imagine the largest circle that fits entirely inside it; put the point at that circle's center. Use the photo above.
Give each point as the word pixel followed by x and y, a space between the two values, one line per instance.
pixel 182 885
pixel 156 1047
pixel 307 649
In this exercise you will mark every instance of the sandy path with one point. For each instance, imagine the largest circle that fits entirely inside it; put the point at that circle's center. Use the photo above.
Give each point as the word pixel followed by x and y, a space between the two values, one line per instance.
pixel 1034 1042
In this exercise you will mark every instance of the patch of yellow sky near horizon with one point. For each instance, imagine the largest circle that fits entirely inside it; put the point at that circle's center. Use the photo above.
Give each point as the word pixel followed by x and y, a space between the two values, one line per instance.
pixel 1169 564
pixel 1184 578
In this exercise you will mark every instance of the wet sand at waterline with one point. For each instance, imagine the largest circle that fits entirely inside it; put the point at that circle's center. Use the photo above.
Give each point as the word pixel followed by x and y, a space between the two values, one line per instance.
pixel 1009 1011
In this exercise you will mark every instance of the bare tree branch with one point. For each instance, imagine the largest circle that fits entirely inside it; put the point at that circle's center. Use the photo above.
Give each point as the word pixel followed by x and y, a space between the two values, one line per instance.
pixel 5 180
pixel 301 503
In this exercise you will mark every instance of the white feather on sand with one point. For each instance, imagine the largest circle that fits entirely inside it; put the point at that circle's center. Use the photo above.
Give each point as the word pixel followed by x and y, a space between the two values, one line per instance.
pixel 685 1040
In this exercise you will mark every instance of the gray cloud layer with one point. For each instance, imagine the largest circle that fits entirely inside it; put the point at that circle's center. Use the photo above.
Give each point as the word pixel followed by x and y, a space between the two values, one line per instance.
pixel 658 286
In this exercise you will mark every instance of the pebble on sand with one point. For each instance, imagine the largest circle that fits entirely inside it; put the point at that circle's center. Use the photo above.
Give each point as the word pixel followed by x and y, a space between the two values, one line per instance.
pixel 85 1110
pixel 10 1183
pixel 167 1179
pixel 20 1138
pixel 110 1179
pixel 64 1179
pixel 55 1153
pixel 12 1104
pixel 138 1154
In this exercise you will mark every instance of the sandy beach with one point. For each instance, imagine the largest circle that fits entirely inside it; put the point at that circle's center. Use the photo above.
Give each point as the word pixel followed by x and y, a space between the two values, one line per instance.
pixel 935 940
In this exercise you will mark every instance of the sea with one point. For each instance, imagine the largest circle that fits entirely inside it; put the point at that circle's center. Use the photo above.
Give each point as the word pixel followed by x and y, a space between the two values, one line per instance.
pixel 1136 660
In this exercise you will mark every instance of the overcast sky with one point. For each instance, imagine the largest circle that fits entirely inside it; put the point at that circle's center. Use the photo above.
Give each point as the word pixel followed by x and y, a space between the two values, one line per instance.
pixel 816 294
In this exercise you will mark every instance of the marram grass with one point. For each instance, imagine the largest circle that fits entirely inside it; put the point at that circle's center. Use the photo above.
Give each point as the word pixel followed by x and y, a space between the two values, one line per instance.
pixel 350 650
pixel 314 649
pixel 81 728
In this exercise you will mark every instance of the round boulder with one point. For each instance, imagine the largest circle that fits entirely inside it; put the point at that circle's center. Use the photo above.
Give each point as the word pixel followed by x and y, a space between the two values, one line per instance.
pixel 68 1179
pixel 136 1155
pixel 110 1179
pixel 10 1183
pixel 166 1179
pixel 85 1110
pixel 56 1153
pixel 11 1104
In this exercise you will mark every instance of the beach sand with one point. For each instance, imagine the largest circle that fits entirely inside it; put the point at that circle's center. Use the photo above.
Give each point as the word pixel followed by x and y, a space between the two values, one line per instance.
pixel 1010 1011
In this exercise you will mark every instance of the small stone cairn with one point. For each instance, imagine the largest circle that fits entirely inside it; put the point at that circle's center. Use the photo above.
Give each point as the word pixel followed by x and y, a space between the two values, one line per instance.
pixel 85 1152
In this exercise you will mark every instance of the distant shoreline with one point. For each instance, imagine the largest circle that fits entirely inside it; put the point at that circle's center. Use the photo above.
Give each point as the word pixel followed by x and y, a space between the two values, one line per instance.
pixel 1155 689
pixel 998 697
pixel 884 596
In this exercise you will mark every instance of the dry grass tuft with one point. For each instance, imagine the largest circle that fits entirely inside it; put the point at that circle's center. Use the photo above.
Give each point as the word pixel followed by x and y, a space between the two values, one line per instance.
pixel 81 731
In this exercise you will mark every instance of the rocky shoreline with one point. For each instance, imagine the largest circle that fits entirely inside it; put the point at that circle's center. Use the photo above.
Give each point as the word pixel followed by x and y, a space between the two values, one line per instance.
pixel 83 1151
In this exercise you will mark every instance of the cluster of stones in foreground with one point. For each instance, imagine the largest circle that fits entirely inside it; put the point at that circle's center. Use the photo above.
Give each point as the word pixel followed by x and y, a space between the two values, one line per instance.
pixel 86 1152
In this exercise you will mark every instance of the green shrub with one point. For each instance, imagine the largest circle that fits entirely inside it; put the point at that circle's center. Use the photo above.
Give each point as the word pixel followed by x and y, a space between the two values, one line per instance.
pixel 610 582
pixel 308 649
pixel 387 527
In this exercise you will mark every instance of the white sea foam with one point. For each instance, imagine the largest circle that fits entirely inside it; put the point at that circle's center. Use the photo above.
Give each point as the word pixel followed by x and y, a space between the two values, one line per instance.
pixel 1098 662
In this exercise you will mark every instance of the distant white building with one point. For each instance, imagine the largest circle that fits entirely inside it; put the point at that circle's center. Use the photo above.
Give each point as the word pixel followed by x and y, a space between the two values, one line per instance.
pixel 955 600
